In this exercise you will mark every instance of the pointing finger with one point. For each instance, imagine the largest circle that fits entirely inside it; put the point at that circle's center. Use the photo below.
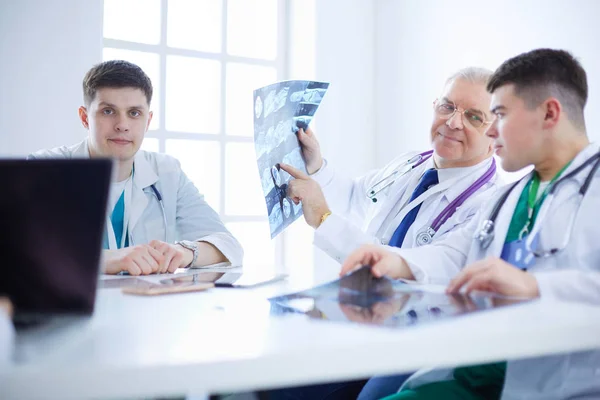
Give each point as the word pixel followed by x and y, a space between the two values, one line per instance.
pixel 293 171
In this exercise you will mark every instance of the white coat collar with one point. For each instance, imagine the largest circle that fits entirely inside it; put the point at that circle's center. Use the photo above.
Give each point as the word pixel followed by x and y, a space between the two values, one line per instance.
pixel 81 149
pixel 579 159
pixel 505 216
pixel 144 177
pixel 469 176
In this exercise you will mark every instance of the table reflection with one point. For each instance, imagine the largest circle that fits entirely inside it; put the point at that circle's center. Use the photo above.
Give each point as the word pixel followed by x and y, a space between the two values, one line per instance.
pixel 361 298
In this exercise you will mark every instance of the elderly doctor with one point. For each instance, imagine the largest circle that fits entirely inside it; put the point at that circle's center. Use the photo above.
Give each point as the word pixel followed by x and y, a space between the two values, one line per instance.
pixel 405 204
pixel 157 220
pixel 536 238
pixel 418 197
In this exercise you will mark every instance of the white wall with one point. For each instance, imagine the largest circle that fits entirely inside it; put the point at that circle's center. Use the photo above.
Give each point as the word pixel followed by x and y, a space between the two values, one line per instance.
pixel 345 44
pixel 46 46
pixel 420 43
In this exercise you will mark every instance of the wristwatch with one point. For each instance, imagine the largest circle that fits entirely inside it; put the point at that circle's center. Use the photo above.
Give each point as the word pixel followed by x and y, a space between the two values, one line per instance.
pixel 190 245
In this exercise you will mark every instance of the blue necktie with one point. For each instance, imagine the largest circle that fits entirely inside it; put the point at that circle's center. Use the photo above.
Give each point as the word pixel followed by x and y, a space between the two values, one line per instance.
pixel 429 178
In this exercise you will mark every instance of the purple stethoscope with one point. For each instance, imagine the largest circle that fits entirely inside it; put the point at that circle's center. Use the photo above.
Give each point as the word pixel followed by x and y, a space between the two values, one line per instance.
pixel 426 236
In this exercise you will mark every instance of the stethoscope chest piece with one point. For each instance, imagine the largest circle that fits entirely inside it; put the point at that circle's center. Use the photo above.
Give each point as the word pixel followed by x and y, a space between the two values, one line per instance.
pixel 485 234
pixel 425 237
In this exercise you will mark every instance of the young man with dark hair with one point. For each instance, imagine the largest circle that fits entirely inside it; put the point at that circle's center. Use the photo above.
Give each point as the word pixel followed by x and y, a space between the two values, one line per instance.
pixel 157 220
pixel 542 243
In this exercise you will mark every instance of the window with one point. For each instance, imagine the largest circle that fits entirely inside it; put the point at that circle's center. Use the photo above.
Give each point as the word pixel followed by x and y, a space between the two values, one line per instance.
pixel 204 58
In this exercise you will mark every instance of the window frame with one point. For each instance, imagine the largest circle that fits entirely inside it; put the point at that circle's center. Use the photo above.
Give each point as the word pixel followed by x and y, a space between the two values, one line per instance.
pixel 281 65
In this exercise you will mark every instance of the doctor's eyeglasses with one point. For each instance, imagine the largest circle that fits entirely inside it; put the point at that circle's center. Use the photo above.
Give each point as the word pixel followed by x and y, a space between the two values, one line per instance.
pixel 446 109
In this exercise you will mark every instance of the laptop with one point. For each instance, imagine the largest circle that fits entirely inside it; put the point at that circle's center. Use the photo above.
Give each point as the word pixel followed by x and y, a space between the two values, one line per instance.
pixel 52 215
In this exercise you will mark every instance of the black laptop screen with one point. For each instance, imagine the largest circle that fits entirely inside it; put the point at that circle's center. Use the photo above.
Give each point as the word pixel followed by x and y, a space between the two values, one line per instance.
pixel 52 215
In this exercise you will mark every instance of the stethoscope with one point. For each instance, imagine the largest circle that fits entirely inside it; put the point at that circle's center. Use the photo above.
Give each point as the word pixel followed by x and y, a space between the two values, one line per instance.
pixel 162 207
pixel 159 198
pixel 401 170
pixel 426 236
pixel 486 234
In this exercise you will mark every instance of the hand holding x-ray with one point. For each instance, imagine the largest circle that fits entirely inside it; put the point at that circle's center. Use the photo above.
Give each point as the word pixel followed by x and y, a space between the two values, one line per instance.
pixel 280 111
pixel 311 150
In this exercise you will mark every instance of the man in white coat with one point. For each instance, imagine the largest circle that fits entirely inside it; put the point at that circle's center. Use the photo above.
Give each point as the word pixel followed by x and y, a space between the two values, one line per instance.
pixel 157 220
pixel 545 236
pixel 437 196
pixel 431 199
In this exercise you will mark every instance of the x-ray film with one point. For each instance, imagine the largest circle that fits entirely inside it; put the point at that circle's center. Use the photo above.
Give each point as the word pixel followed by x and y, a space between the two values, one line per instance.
pixel 361 298
pixel 280 110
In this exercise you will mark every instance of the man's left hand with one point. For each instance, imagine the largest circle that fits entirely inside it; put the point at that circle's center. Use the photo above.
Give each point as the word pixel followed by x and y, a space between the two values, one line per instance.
pixel 176 256
pixel 306 190
pixel 497 276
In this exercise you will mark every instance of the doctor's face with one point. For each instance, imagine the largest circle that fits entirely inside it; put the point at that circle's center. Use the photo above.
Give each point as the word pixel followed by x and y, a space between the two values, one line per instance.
pixel 516 130
pixel 117 120
pixel 458 139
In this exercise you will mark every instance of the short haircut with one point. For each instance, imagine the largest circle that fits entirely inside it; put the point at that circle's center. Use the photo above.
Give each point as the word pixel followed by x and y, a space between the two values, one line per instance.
pixel 543 73
pixel 471 74
pixel 115 74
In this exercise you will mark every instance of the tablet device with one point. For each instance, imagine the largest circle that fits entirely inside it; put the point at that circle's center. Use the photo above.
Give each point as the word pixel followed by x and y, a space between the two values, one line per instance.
pixel 153 289
pixel 226 279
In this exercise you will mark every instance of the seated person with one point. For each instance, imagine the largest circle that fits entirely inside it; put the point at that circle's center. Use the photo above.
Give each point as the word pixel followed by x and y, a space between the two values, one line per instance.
pixel 389 207
pixel 421 203
pixel 543 245
pixel 157 220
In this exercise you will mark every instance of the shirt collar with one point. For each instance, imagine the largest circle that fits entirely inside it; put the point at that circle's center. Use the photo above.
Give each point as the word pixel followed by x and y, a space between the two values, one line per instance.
pixel 464 176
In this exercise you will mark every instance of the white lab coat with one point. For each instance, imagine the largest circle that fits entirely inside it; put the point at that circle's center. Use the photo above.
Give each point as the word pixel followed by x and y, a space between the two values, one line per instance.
pixel 571 275
pixel 188 215
pixel 7 339
pixel 356 220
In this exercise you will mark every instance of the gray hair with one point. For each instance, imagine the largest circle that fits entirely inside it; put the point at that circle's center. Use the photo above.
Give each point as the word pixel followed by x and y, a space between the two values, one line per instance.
pixel 472 74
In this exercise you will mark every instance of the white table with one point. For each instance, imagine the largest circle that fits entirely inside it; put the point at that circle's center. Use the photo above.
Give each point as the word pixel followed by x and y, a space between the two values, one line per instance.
pixel 224 340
